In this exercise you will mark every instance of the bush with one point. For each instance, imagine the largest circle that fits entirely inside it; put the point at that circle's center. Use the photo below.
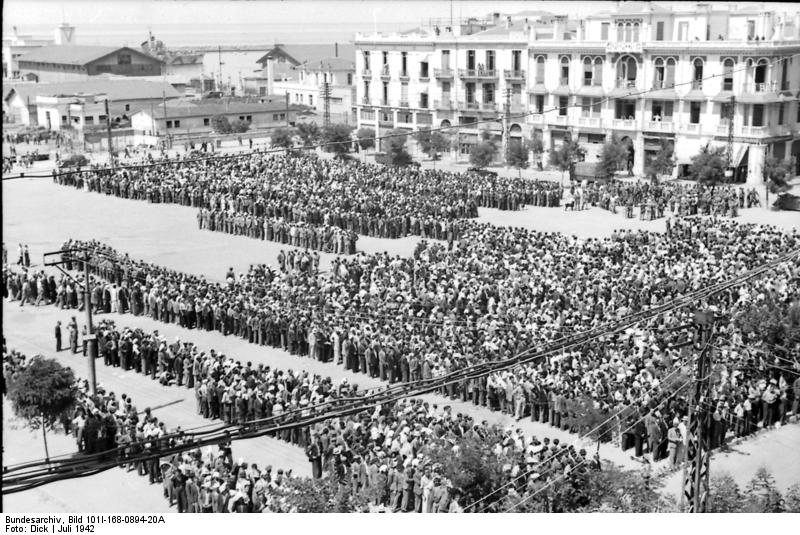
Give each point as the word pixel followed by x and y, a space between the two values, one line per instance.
pixel 75 160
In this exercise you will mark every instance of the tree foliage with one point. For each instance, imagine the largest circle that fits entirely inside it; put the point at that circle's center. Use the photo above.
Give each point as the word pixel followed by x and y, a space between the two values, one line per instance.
pixel 221 124
pixel 762 494
pixel 612 156
pixel 777 172
pixel 309 133
pixel 306 495
pixel 398 155
pixel 724 495
pixel 708 166
pixel 664 161
pixel 566 156
pixel 537 147
pixel 43 393
pixel 338 138
pixel 239 126
pixel 517 156
pixel 432 143
pixel 366 137
pixel 282 137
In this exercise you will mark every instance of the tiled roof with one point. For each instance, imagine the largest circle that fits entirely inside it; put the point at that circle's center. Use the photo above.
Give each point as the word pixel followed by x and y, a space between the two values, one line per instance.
pixel 75 54
pixel 115 89
pixel 219 108
pixel 312 53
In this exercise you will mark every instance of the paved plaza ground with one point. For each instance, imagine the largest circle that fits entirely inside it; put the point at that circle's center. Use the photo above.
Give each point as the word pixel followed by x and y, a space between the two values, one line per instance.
pixel 43 215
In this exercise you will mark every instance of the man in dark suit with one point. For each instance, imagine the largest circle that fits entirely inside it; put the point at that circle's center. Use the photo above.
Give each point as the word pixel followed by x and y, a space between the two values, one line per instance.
pixel 58 336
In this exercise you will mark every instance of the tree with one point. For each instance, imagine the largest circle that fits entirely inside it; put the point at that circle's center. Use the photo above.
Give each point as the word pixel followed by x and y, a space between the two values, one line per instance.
pixel 537 147
pixel 432 143
pixel 724 495
pixel 398 155
pixel 338 138
pixel 239 127
pixel 776 173
pixel 221 124
pixel 793 499
pixel 366 138
pixel 517 156
pixel 708 166
pixel 612 156
pixel 309 133
pixel 482 154
pixel 282 137
pixel 762 496
pixel 43 394
pixel 664 161
pixel 566 156
pixel 306 495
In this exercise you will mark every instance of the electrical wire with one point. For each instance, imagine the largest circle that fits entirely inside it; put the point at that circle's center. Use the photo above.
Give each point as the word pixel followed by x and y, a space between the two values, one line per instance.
pixel 246 154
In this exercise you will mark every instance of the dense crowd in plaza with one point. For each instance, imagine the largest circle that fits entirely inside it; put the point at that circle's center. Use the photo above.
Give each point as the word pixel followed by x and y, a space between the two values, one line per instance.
pixel 497 292
pixel 313 202
pixel 652 200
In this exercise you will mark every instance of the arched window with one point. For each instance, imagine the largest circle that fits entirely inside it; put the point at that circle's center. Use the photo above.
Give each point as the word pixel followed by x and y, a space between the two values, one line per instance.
pixel 588 72
pixel 635 32
pixel 620 32
pixel 697 73
pixel 760 75
pixel 727 74
pixel 598 71
pixel 540 70
pixel 658 73
pixel 628 32
pixel 669 79
pixel 626 72
pixel 564 70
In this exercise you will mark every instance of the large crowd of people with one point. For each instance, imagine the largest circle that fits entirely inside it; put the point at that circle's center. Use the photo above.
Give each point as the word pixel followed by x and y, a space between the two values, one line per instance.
pixel 497 292
pixel 314 202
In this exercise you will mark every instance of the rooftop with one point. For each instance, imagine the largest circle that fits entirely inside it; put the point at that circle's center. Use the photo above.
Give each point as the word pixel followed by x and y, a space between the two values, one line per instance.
pixel 74 54
pixel 218 108
pixel 115 89
pixel 312 53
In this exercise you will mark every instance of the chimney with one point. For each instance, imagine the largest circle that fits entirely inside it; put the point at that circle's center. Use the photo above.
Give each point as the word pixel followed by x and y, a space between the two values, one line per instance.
pixel 336 50
pixel 270 74
pixel 508 22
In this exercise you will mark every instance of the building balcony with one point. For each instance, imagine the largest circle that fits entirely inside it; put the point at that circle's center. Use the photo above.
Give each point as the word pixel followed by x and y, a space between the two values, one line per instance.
pixel 489 106
pixel 666 126
pixel 663 84
pixel 424 104
pixel 624 124
pixel 697 84
pixel 478 73
pixel 559 120
pixel 754 131
pixel 403 104
pixel 469 105
pixel 386 75
pixel 762 87
pixel 513 74
pixel 404 76
pixel 423 77
pixel 625 84
pixel 446 74
pixel 365 101
pixel 592 122
pixel 691 128
pixel 444 104
pixel 536 118
pixel 722 128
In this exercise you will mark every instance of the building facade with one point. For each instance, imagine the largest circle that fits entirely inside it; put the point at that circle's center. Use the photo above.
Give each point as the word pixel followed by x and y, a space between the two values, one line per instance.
pixel 62 63
pixel 642 73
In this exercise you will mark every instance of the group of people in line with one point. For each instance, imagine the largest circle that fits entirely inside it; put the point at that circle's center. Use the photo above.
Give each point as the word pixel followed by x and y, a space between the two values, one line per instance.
pixel 496 293
pixel 654 199
pixel 313 202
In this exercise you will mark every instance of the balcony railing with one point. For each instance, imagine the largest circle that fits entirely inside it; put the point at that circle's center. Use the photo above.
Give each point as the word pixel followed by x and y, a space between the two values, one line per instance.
pixel 536 118
pixel 628 124
pixel 513 74
pixel 424 76
pixel 727 86
pixel 403 104
pixel 664 125
pixel 722 128
pixel 663 84
pixel 423 104
pixel 563 81
pixel 691 128
pixel 488 106
pixel 365 100
pixel 366 73
pixel 626 84
pixel 404 75
pixel 446 104
pixel 560 119
pixel 517 107
pixel 385 74
pixel 697 84
pixel 477 73
pixel 469 105
pixel 593 122
pixel 592 83
pixel 763 87
pixel 443 73
pixel 755 130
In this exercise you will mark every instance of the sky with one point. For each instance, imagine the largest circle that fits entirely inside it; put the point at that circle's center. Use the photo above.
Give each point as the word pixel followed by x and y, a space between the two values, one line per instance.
pixel 193 22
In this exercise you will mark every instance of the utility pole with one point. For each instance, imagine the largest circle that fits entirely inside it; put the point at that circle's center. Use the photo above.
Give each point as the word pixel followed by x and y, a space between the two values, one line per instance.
pixel 729 172
pixel 166 124
pixel 507 110
pixel 219 52
pixel 697 455
pixel 108 128
pixel 91 343
pixel 287 108
pixel 326 97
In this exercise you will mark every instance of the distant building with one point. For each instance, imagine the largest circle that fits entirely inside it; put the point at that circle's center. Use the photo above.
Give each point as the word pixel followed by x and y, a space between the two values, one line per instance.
pixel 17 45
pixel 301 72
pixel 126 96
pixel 184 120
pixel 58 63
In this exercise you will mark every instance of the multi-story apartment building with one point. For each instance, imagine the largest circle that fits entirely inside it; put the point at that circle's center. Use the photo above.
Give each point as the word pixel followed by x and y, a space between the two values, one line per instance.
pixel 444 76
pixel 643 73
